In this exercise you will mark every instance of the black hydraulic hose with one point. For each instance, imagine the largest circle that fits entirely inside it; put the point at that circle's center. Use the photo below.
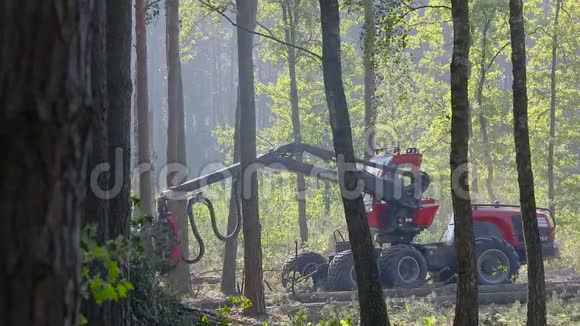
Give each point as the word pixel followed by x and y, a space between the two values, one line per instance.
pixel 214 226
pixel 199 198
pixel 195 233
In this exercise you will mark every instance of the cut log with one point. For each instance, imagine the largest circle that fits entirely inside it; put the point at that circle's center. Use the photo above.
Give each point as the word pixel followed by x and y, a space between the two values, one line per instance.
pixel 206 280
pixel 438 292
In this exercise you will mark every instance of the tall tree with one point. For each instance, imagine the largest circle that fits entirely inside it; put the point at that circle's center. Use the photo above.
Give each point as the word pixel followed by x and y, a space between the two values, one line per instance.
pixel 290 18
pixel 45 137
pixel 143 128
pixel 107 203
pixel 228 282
pixel 466 307
pixel 369 67
pixel 253 273
pixel 96 204
pixel 373 310
pixel 536 285
pixel 489 16
pixel 119 89
pixel 552 140
pixel 179 277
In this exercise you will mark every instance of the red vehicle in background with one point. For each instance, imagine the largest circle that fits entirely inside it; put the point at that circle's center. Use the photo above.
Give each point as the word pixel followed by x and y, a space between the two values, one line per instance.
pixel 500 243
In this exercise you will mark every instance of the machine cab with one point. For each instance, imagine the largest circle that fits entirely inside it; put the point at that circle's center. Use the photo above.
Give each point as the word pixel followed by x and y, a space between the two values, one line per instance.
pixel 403 228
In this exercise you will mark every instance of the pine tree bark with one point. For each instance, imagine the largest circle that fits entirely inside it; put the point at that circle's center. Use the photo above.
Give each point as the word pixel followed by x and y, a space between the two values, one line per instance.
pixel 45 120
pixel 119 89
pixel 290 19
pixel 96 205
pixel 253 274
pixel 373 310
pixel 179 277
pixel 143 128
pixel 369 68
pixel 552 141
pixel 466 307
pixel 96 208
pixel 536 285
pixel 228 282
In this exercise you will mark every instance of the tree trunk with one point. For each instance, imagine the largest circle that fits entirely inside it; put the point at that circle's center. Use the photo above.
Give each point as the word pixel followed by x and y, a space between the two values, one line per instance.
pixel 536 285
pixel 253 274
pixel 373 310
pixel 45 138
pixel 96 208
pixel 369 67
pixel 228 282
pixel 179 280
pixel 551 142
pixel 466 308
pixel 482 121
pixel 291 21
pixel 119 47
pixel 96 205
pixel 326 197
pixel 144 154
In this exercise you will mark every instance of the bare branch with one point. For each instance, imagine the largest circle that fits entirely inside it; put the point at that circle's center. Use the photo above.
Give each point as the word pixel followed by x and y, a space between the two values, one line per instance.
pixel 495 56
pixel 412 9
pixel 541 29
pixel 266 29
pixel 427 6
pixel 565 10
pixel 221 13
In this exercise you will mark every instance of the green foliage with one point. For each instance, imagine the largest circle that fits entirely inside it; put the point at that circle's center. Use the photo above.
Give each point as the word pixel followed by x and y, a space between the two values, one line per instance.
pixel 301 318
pixel 101 271
pixel 429 321
pixel 237 304
pixel 569 242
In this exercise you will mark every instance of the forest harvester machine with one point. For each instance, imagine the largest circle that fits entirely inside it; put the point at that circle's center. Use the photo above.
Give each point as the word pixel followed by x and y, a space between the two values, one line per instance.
pixel 392 188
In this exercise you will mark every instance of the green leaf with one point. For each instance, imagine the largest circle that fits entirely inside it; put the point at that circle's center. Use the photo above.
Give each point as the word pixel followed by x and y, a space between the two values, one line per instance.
pixel 113 271
pixel 121 290
pixel 429 321
pixel 135 201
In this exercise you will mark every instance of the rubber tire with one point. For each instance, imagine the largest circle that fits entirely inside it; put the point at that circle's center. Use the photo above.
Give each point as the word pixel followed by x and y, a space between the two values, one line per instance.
pixel 299 263
pixel 389 260
pixel 484 244
pixel 339 272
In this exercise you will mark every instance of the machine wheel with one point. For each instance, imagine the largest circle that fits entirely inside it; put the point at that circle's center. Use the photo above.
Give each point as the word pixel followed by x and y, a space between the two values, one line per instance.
pixel 497 261
pixel 402 266
pixel 303 264
pixel 341 275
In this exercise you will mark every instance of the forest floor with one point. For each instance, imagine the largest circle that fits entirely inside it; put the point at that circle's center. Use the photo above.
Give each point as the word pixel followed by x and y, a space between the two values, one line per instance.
pixel 322 308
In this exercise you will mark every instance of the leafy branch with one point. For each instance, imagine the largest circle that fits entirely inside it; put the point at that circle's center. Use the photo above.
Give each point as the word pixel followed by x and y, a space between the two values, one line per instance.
pixel 101 270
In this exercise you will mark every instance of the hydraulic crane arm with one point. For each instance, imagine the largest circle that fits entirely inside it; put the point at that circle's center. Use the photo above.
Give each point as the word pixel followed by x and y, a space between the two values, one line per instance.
pixel 389 188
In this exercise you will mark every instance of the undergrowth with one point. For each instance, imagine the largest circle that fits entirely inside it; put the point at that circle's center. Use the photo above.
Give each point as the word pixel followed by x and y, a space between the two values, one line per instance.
pixel 423 313
pixel 152 305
